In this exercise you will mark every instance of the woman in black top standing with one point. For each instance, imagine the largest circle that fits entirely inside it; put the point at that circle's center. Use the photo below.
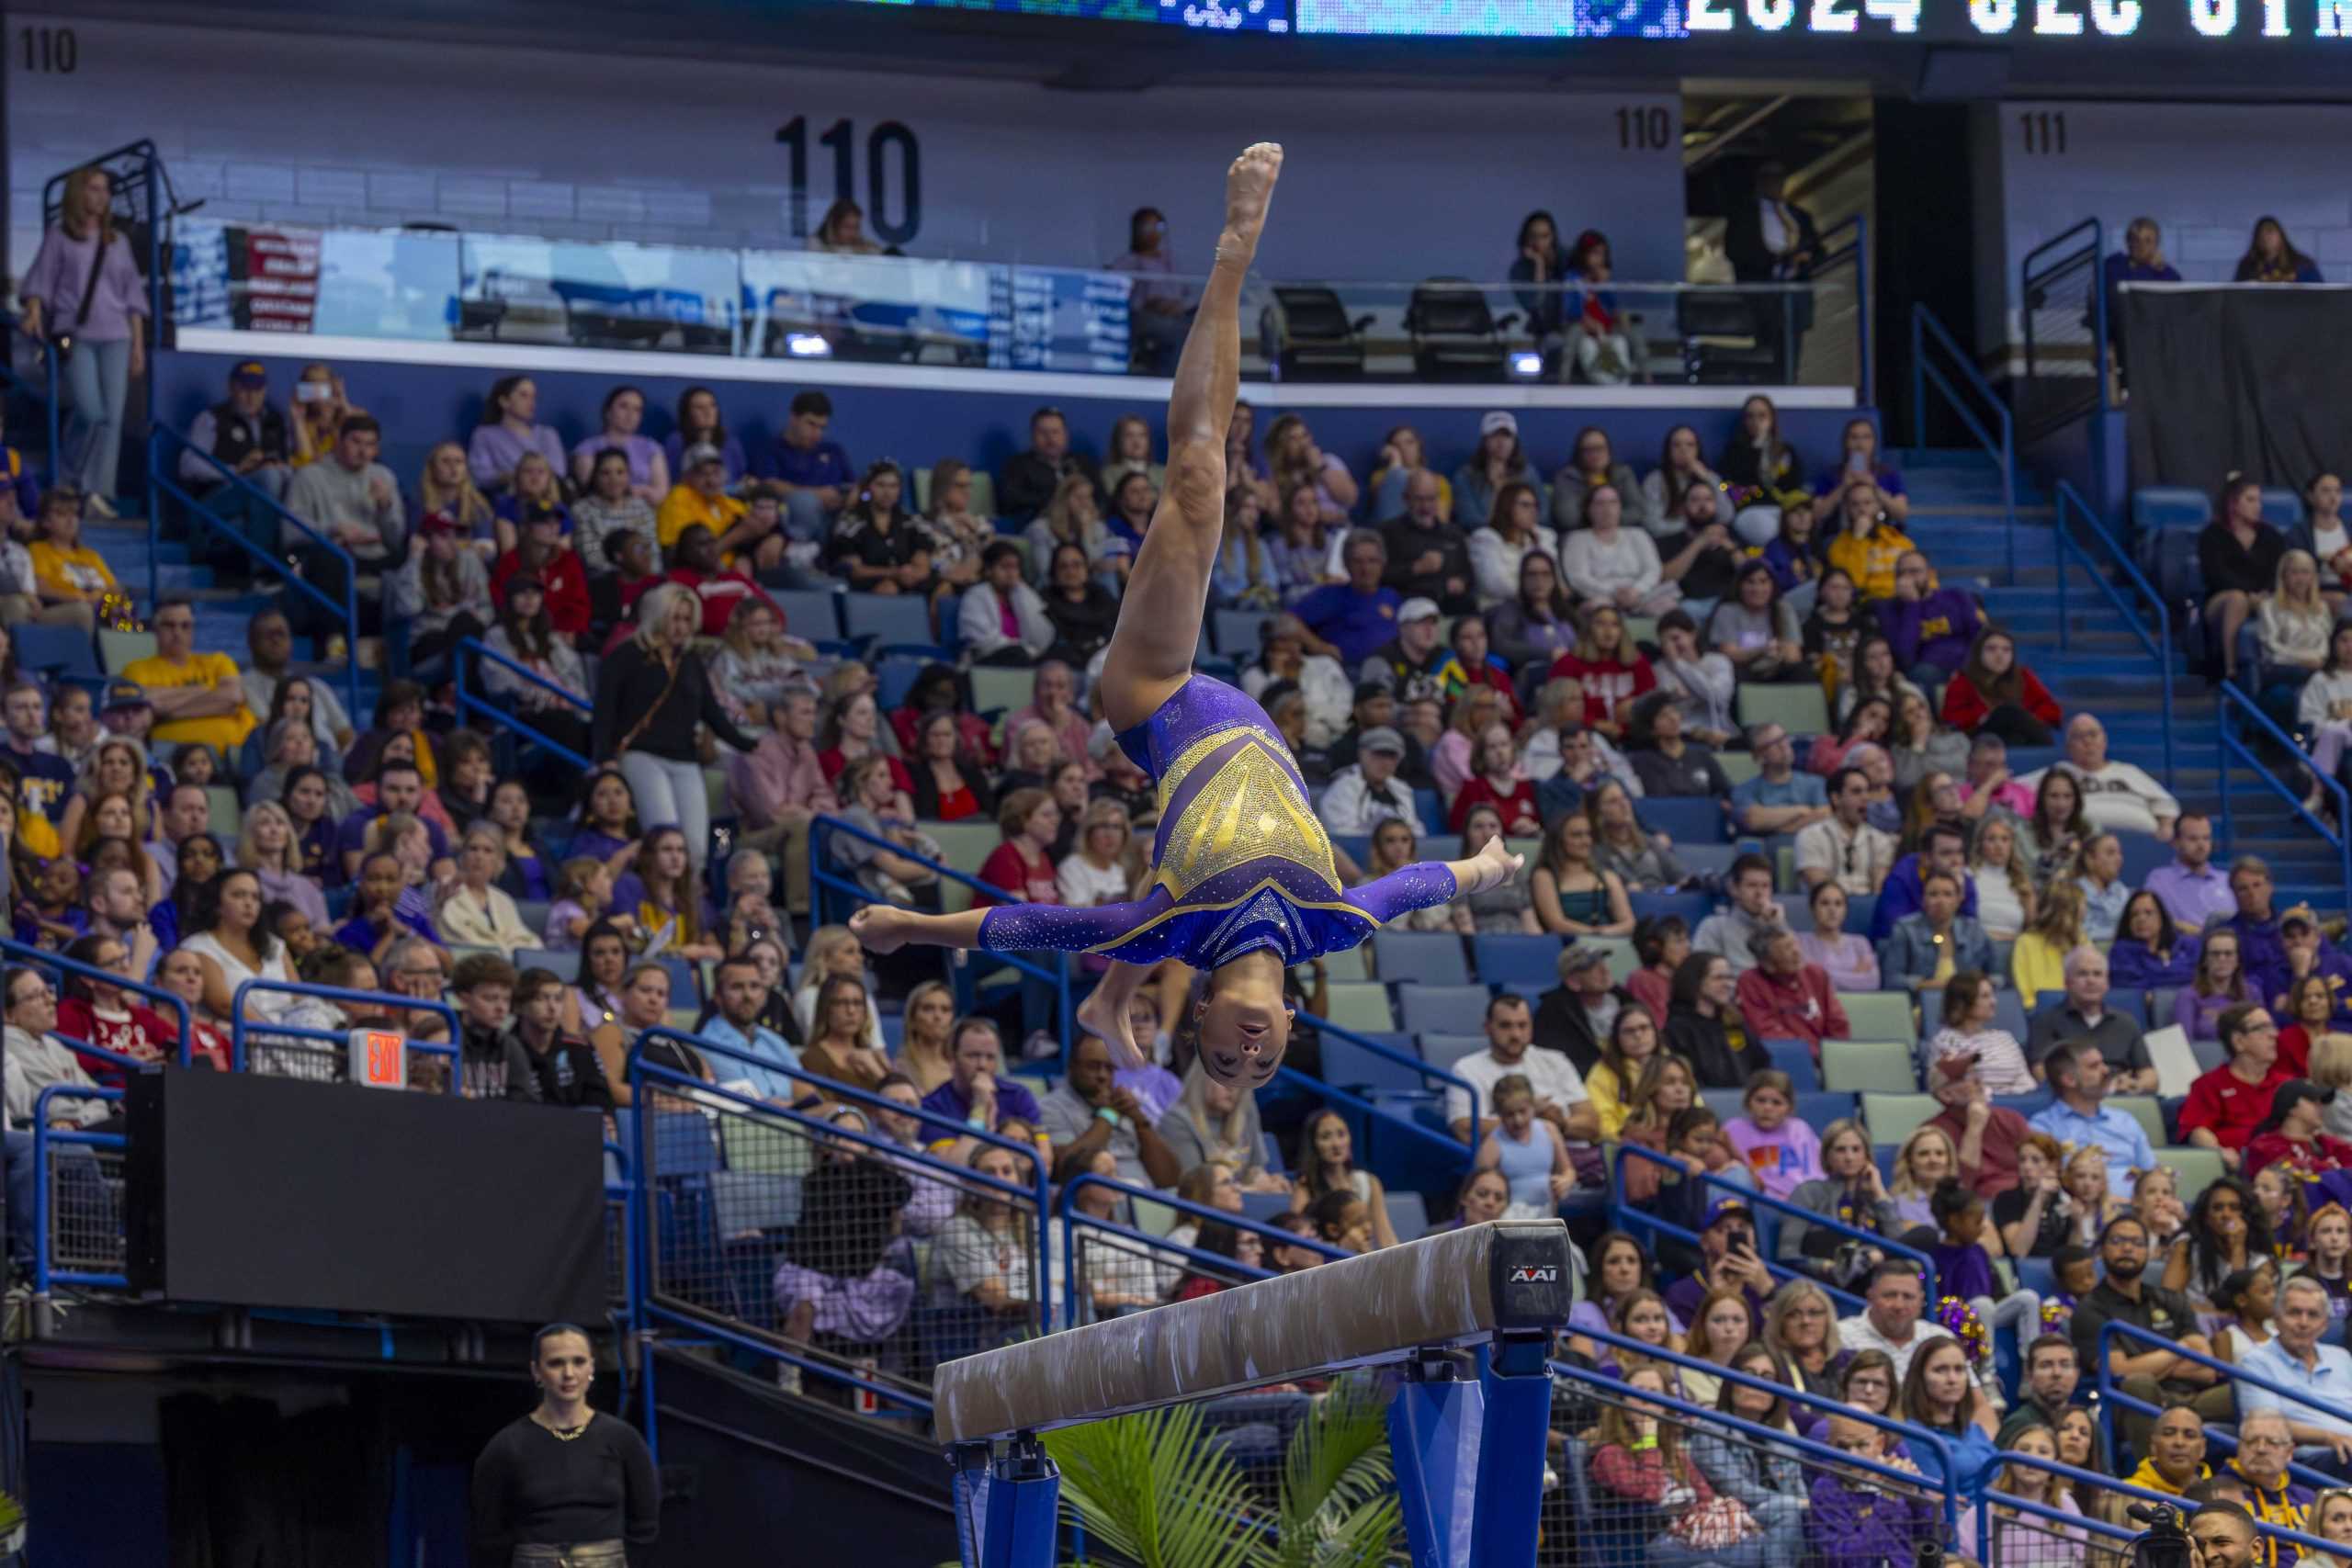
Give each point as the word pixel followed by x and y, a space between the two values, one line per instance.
pixel 564 1483
pixel 2237 555
pixel 651 692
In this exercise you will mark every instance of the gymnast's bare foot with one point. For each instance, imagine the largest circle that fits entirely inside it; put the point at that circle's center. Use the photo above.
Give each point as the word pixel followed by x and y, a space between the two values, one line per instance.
pixel 880 927
pixel 1249 190
pixel 1107 1017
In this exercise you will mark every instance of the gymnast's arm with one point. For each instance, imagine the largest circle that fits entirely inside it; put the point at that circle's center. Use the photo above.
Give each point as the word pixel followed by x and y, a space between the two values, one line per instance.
pixel 1012 927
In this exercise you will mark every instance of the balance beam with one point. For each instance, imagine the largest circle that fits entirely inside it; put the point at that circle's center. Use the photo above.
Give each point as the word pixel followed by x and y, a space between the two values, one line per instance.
pixel 1456 1288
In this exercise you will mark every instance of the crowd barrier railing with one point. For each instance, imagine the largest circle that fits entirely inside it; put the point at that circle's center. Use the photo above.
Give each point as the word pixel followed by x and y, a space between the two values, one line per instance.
pixel 1928 332
pixel 2231 746
pixel 506 718
pixel 2063 284
pixel 2159 645
pixel 2112 1396
pixel 92 1219
pixel 241 1026
pixel 1627 1217
pixel 53 406
pixel 2277 1535
pixel 831 889
pixel 1137 1246
pixel 177 1006
pixel 1465 1148
pixel 163 446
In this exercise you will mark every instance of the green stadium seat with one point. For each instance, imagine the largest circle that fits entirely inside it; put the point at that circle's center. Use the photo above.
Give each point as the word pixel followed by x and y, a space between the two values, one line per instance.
pixel 1799 709
pixel 1895 1117
pixel 223 815
pixel 116 649
pixel 1737 766
pixel 2193 1169
pixel 1362 1006
pixel 994 688
pixel 2150 1115
pixel 1878 1015
pixel 1864 1065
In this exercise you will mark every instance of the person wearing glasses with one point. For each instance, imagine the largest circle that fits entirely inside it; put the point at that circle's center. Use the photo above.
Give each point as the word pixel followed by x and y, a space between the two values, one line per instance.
pixel 37 1059
pixel 198 698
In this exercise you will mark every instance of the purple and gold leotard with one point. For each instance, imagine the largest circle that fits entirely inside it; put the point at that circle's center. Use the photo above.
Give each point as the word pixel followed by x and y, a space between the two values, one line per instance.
pixel 1242 862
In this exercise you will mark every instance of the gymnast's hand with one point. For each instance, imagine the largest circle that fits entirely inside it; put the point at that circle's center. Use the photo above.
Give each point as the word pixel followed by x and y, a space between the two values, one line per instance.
pixel 1489 868
pixel 880 927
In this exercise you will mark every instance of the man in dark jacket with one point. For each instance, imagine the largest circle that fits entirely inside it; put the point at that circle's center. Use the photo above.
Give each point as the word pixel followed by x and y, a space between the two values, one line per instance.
pixel 1575 1017
pixel 246 436
pixel 1769 238
pixel 1429 557
pixel 1027 484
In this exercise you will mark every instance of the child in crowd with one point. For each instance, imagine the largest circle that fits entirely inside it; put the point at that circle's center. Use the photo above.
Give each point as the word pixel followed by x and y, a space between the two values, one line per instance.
pixel 493 1061
pixel 2077 1271
pixel 751 876
pixel 583 895
pixel 381 914
pixel 1779 1151
pixel 1341 1220
pixel 1856 1521
pixel 2286 1210
pixel 1964 1268
pixel 2020 1537
pixel 52 916
pixel 2330 1261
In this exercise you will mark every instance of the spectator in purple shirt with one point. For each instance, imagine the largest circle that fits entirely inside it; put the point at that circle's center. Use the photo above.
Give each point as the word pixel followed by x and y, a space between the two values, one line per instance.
pixel 814 473
pixel 1350 621
pixel 1930 628
pixel 507 431
pixel 976 1092
pixel 2192 888
pixel 699 424
pixel 621 430
pixel 84 284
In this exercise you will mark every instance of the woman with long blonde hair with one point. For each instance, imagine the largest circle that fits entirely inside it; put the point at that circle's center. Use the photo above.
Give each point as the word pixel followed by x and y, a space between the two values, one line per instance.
pixel 1925 1159
pixel 1245 577
pixel 2295 621
pixel 2037 962
pixel 447 486
pixel 84 284
pixel 1072 518
pixel 924 1045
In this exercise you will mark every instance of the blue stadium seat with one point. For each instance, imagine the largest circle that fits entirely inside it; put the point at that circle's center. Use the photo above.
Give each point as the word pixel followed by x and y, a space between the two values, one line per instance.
pixel 812 615
pixel 2133 1005
pixel 1686 819
pixel 2037 1275
pixel 2158 509
pixel 1699 859
pixel 1723 1103
pixel 1860 910
pixel 1430 809
pixel 1235 632
pixel 888 618
pixel 1444 1050
pixel 1693 906
pixel 2281 508
pixel 1794 1057
pixel 894 678
pixel 1433 958
pixel 2143 852
pixel 1408 1214
pixel 2008 1012
pixel 1442 1009
pixel 2029 1105
pixel 1517 960
pixel 1263 1206
pixel 1347 1065
pixel 65 650
pixel 1818 1108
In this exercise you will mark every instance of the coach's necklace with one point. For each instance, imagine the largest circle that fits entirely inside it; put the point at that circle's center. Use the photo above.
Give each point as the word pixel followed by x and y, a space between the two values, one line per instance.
pixel 565 1434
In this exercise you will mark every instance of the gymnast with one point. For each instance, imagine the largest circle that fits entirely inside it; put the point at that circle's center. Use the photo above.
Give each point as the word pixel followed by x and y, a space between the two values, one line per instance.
pixel 1244 885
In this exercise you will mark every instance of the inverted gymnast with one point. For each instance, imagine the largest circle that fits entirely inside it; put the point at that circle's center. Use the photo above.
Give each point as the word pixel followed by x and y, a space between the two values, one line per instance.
pixel 1245 886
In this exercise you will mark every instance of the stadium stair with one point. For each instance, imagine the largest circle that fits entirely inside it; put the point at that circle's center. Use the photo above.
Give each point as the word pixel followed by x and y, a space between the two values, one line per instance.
pixel 1956 520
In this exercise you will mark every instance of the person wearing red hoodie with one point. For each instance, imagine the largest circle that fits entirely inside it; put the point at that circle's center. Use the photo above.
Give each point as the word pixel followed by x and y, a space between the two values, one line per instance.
pixel 1784 997
pixel 1610 668
pixel 1993 692
pixel 544 553
pixel 97 1012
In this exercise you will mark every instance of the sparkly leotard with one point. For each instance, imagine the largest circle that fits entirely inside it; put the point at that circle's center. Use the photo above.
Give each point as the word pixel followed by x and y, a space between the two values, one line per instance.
pixel 1242 862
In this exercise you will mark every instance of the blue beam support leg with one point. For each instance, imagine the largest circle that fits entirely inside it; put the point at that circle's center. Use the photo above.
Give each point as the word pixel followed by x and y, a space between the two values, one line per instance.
pixel 1468 1448
pixel 1006 1504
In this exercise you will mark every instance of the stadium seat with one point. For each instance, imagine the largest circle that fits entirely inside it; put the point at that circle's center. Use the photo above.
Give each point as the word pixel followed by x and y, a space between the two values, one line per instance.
pixel 116 649
pixel 1723 1103
pixel 1691 907
pixel 812 615
pixel 1819 1108
pixel 1737 766
pixel 2281 507
pixel 1620 949
pixel 894 677
pixel 64 651
pixel 1700 860
pixel 2008 1011
pixel 995 689
pixel 1517 960
pixel 2133 1005
pixel 1347 1065
pixel 1425 958
pixel 1860 910
pixel 1409 1215
pixel 1685 819
pixel 223 813
pixel 1868 1064
pixel 1235 632
pixel 1895 1117
pixel 1347 964
pixel 561 962
pixel 1794 1057
pixel 1442 1010
pixel 1444 1050
pixel 2194 1170
pixel 2149 1114
pixel 890 620
pixel 1801 709
pixel 2158 509
pixel 1362 1008
pixel 1877 1015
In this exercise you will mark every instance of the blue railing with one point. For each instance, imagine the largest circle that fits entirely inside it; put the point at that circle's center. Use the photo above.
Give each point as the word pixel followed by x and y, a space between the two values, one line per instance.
pixel 1389 1053
pixel 1858 254
pixel 2002 448
pixel 1071 1222
pixel 2336 835
pixel 505 718
pixel 2279 1533
pixel 34 957
pixel 1755 1200
pixel 824 877
pixel 1917 1436
pixel 2032 290
pixel 163 443
pixel 46 1137
pixel 2113 1397
pixel 52 405
pixel 2159 645
pixel 240 1024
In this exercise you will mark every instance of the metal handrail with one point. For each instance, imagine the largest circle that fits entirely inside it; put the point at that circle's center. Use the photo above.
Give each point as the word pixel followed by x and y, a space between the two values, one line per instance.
pixel 1700 1414
pixel 1389 1053
pixel 2124 1488
pixel 2159 646
pixel 1633 1220
pixel 239 1023
pixel 2112 1394
pixel 822 874
pixel 468 703
pixel 1796 1394
pixel 1070 1224
pixel 160 478
pixel 2096 251
pixel 52 405
pixel 43 1136
pixel 1755 1200
pixel 1926 329
pixel 34 957
pixel 2228 745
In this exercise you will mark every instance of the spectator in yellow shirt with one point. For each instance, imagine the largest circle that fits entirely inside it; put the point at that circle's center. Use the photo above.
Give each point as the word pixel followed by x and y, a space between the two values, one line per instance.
pixel 198 697
pixel 66 570
pixel 1869 544
pixel 700 496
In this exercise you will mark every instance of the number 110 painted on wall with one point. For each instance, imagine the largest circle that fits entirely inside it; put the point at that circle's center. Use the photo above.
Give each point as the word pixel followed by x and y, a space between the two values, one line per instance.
pixel 886 226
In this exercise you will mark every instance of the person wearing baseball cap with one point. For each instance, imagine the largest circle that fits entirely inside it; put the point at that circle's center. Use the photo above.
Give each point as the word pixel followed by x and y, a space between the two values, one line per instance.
pixel 1499 461
pixel 700 496
pixel 242 436
pixel 2291 1135
pixel 1368 793
pixel 2309 952
pixel 1412 663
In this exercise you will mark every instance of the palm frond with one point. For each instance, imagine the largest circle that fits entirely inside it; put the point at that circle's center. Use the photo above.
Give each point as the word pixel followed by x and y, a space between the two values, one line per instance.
pixel 1149 1488
pixel 1337 1505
